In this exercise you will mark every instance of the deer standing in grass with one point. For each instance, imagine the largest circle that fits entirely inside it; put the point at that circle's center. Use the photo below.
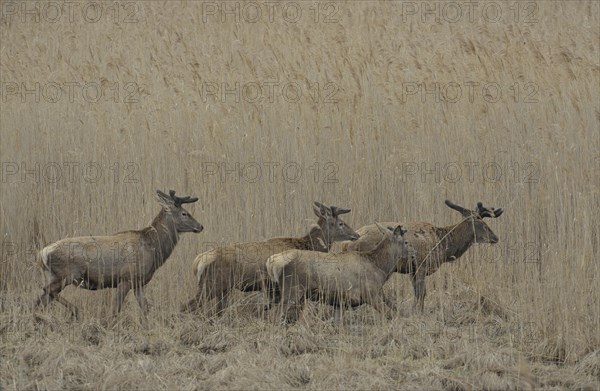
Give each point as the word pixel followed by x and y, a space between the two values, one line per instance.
pixel 126 260
pixel 243 265
pixel 346 279
pixel 435 245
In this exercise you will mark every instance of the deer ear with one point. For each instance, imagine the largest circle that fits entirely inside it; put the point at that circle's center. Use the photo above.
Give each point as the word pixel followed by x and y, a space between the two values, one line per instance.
pixel 340 211
pixel 400 230
pixel 317 209
pixel 384 230
pixel 164 200
pixel 321 210
pixel 498 212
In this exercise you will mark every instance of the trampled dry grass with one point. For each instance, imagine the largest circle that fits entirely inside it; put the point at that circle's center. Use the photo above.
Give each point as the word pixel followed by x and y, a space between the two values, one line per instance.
pixel 339 106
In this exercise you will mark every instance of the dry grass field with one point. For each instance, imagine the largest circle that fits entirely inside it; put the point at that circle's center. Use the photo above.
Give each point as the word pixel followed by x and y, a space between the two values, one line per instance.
pixel 258 109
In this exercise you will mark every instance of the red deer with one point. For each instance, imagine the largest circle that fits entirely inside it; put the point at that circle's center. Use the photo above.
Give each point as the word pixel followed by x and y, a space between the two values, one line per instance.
pixel 346 279
pixel 435 245
pixel 243 265
pixel 126 260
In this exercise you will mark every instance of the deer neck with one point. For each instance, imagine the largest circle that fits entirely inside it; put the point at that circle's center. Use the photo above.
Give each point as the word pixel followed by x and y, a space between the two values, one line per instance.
pixel 383 257
pixel 165 237
pixel 456 239
pixel 314 241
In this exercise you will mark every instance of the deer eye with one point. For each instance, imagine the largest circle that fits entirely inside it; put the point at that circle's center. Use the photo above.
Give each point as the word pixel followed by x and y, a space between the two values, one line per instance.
pixel 185 214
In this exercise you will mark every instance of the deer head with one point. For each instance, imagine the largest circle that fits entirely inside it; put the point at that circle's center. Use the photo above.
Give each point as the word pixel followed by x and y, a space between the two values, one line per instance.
pixel 483 233
pixel 334 228
pixel 171 204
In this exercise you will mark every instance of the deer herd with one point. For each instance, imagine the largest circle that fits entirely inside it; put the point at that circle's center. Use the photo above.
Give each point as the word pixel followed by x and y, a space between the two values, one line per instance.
pixel 288 269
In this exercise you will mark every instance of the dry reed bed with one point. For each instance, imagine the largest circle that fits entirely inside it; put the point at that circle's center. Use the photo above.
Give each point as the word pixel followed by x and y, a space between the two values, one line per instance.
pixel 540 280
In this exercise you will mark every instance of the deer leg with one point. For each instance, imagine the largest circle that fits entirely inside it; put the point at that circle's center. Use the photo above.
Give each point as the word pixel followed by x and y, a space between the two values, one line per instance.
pixel 390 303
pixel 337 314
pixel 276 294
pixel 204 294
pixel 143 303
pixel 383 305
pixel 298 303
pixel 221 303
pixel 193 304
pixel 51 292
pixel 139 295
pixel 122 290
pixel 418 281
pixel 292 300
pixel 284 304
pixel 273 295
pixel 71 307
pixel 51 289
